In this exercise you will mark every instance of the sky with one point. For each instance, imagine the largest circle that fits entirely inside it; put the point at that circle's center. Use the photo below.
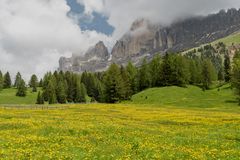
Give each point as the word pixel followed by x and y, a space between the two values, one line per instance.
pixel 34 34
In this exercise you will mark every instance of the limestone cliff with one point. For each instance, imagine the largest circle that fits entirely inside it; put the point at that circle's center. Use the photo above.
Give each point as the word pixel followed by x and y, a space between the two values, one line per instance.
pixel 145 39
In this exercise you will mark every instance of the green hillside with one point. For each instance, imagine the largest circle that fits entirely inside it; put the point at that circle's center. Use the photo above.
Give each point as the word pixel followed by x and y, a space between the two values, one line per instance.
pixel 8 96
pixel 186 97
pixel 233 38
pixel 228 41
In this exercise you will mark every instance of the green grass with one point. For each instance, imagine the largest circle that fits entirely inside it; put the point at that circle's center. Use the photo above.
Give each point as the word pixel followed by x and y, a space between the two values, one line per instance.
pixel 233 38
pixel 120 131
pixel 229 40
pixel 159 123
pixel 191 96
pixel 8 96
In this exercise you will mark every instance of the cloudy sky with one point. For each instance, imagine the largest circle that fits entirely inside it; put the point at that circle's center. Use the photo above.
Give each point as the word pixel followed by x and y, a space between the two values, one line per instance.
pixel 34 34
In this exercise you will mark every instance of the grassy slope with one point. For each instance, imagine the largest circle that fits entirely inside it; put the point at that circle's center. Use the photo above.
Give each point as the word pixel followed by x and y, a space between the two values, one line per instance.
pixel 186 97
pixel 8 96
pixel 233 38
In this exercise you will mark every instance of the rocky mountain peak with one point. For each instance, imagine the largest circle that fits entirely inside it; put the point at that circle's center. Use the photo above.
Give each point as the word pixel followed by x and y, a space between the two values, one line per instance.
pixel 144 40
pixel 99 51
pixel 140 23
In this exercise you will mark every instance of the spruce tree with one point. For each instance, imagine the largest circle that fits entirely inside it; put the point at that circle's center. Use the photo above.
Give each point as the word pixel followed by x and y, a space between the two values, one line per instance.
pixel 80 93
pixel 40 99
pixel 208 74
pixel 193 72
pixel 144 76
pixel 227 68
pixel 46 79
pixel 1 81
pixel 181 71
pixel 18 79
pixel 126 84
pixel 236 77
pixel 113 84
pixel 21 89
pixel 40 83
pixel 132 74
pixel 33 83
pixel 52 99
pixel 167 71
pixel 7 81
pixel 155 70
pixel 61 93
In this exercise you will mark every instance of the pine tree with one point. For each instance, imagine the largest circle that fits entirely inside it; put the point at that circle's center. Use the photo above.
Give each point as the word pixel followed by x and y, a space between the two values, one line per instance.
pixel 17 80
pixel 80 93
pixel 144 76
pixel 40 83
pixel 7 81
pixel 33 83
pixel 236 77
pixel 113 84
pixel 40 99
pixel 61 93
pixel 221 74
pixel 155 70
pixel 1 81
pixel 227 68
pixel 167 71
pixel 181 73
pixel 132 74
pixel 46 79
pixel 21 89
pixel 126 84
pixel 52 98
pixel 71 86
pixel 208 74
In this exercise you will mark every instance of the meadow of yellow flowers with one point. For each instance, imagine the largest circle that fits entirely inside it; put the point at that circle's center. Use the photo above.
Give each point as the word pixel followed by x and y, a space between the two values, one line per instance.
pixel 120 131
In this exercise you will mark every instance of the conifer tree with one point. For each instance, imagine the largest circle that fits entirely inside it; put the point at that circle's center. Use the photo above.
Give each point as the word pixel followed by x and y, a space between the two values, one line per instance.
pixel 236 77
pixel 144 76
pixel 181 72
pixel 52 98
pixel 126 84
pixel 1 81
pixel 167 76
pixel 61 93
pixel 33 83
pixel 46 79
pixel 80 93
pixel 40 99
pixel 208 74
pixel 114 84
pixel 155 70
pixel 41 83
pixel 132 74
pixel 227 68
pixel 7 81
pixel 18 79
pixel 21 89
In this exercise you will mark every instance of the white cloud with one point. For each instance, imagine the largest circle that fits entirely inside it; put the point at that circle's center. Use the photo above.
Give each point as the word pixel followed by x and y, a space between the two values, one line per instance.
pixel 92 5
pixel 123 12
pixel 35 33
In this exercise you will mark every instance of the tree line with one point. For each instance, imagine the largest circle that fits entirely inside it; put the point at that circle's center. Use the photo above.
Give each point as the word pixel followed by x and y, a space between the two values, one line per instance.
pixel 119 83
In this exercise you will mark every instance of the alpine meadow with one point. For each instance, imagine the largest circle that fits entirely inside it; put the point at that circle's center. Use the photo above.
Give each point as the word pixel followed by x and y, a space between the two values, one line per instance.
pixel 140 84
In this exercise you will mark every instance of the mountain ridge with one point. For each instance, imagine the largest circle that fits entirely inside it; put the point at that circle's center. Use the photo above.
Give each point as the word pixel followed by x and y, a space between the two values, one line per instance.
pixel 145 39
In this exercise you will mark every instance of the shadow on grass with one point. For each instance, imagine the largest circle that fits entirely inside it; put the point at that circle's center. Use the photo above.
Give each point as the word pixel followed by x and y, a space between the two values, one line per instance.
pixel 231 101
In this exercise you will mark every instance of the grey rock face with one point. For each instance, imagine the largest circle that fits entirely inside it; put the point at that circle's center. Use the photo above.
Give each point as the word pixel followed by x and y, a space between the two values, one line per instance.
pixel 145 40
pixel 99 51
pixel 95 59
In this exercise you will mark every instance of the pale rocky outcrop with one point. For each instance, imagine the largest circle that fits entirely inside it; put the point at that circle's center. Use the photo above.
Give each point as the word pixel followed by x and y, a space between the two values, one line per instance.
pixel 145 39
